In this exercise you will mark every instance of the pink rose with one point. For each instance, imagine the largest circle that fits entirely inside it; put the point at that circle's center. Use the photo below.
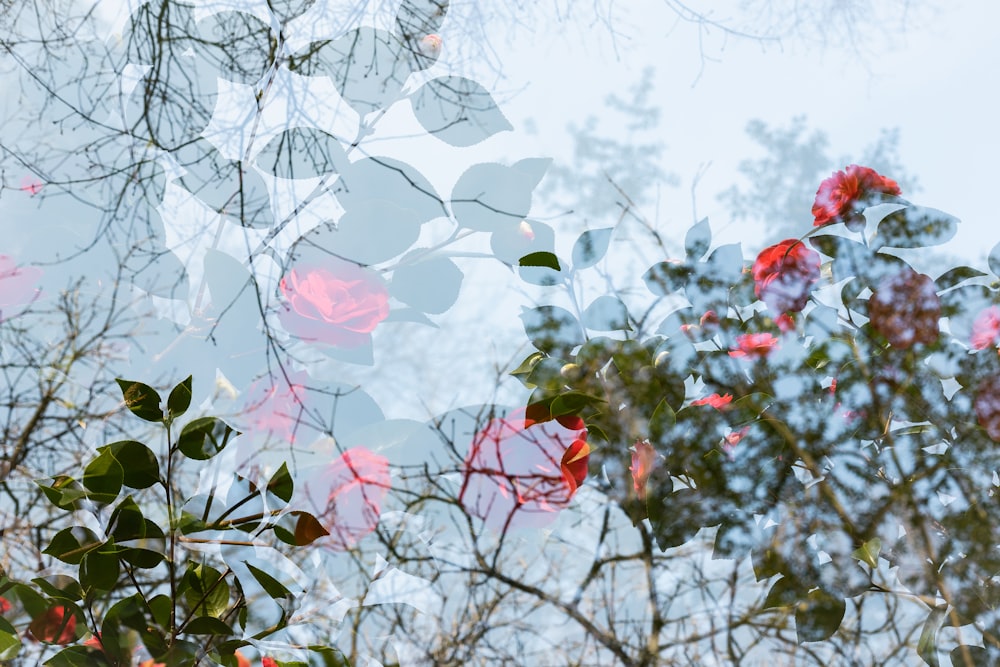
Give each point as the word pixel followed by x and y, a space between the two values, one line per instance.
pixel 339 304
pixel 643 461
pixel 986 329
pixel 347 496
pixel 838 196
pixel 520 473
pixel 753 346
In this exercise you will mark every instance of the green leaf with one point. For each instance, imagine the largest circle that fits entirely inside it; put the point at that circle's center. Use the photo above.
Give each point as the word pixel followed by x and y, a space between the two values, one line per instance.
pixel 10 644
pixel 927 644
pixel 71 544
pixel 208 625
pixel 207 592
pixel 60 586
pixel 272 586
pixel 868 552
pixel 64 492
pixel 971 656
pixel 528 364
pixel 281 484
pixel 299 529
pixel 819 616
pixel 783 593
pixel 955 276
pixel 203 438
pixel 75 656
pixel 142 400
pixel 140 468
pixel 99 571
pixel 104 476
pixel 676 518
pixel 591 246
pixel 543 259
pixel 697 240
pixel 126 522
pixel 331 656
pixel 180 399
pixel 667 277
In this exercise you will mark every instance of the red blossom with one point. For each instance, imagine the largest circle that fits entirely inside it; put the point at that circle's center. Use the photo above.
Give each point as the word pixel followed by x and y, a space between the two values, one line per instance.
pixel 241 660
pixel 839 196
pixel 347 495
pixel 520 472
pixel 753 346
pixel 56 626
pixel 987 406
pixel 268 662
pixel 784 274
pixel 339 303
pixel 644 459
pixel 986 329
pixel 905 308
pixel 732 439
pixel 785 323
pixel 4 605
pixel 31 184
pixel 715 400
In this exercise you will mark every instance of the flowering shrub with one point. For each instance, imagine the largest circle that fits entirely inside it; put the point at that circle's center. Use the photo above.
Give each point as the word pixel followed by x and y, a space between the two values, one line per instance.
pixel 519 473
pixel 840 197
pixel 56 626
pixel 754 346
pixel 338 304
pixel 905 308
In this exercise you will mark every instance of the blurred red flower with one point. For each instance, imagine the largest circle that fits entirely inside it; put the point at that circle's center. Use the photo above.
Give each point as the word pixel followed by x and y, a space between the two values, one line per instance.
pixel 56 626
pixel 784 274
pixel 753 346
pixel 838 196
pixel 347 495
pixel 4 605
pixel 268 662
pixel 520 473
pixel 905 308
pixel 643 461
pixel 338 304
pixel 987 406
pixel 986 329
pixel 715 400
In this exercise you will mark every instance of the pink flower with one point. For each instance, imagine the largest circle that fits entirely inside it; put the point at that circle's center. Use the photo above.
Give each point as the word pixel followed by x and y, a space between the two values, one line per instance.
pixel 17 283
pixel 347 496
pixel 986 329
pixel 273 408
pixel 732 439
pixel 520 473
pixel 31 185
pixel 430 45
pixel 753 346
pixel 56 626
pixel 716 401
pixel 838 196
pixel 338 304
pixel 784 274
pixel 644 459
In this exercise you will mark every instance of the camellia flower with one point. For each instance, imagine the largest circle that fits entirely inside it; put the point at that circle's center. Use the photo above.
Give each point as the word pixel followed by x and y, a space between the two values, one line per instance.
pixel 273 407
pixel 347 495
pixel 716 401
pixel 839 195
pixel 4 605
pixel 644 459
pixel 753 346
pixel 31 184
pixel 784 274
pixel 987 406
pixel 56 626
pixel 986 329
pixel 430 45
pixel 338 304
pixel 268 662
pixel 905 308
pixel 732 439
pixel 520 472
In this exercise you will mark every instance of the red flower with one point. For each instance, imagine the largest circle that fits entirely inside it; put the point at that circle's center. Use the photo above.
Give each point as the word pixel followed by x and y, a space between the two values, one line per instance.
pixel 348 495
pixel 56 626
pixel 905 308
pixel 31 184
pixel 784 274
pixel 838 196
pixel 753 346
pixel 268 662
pixel 241 660
pixel 986 329
pixel 732 439
pixel 520 473
pixel 716 401
pixel 339 303
pixel 643 461
pixel 987 406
